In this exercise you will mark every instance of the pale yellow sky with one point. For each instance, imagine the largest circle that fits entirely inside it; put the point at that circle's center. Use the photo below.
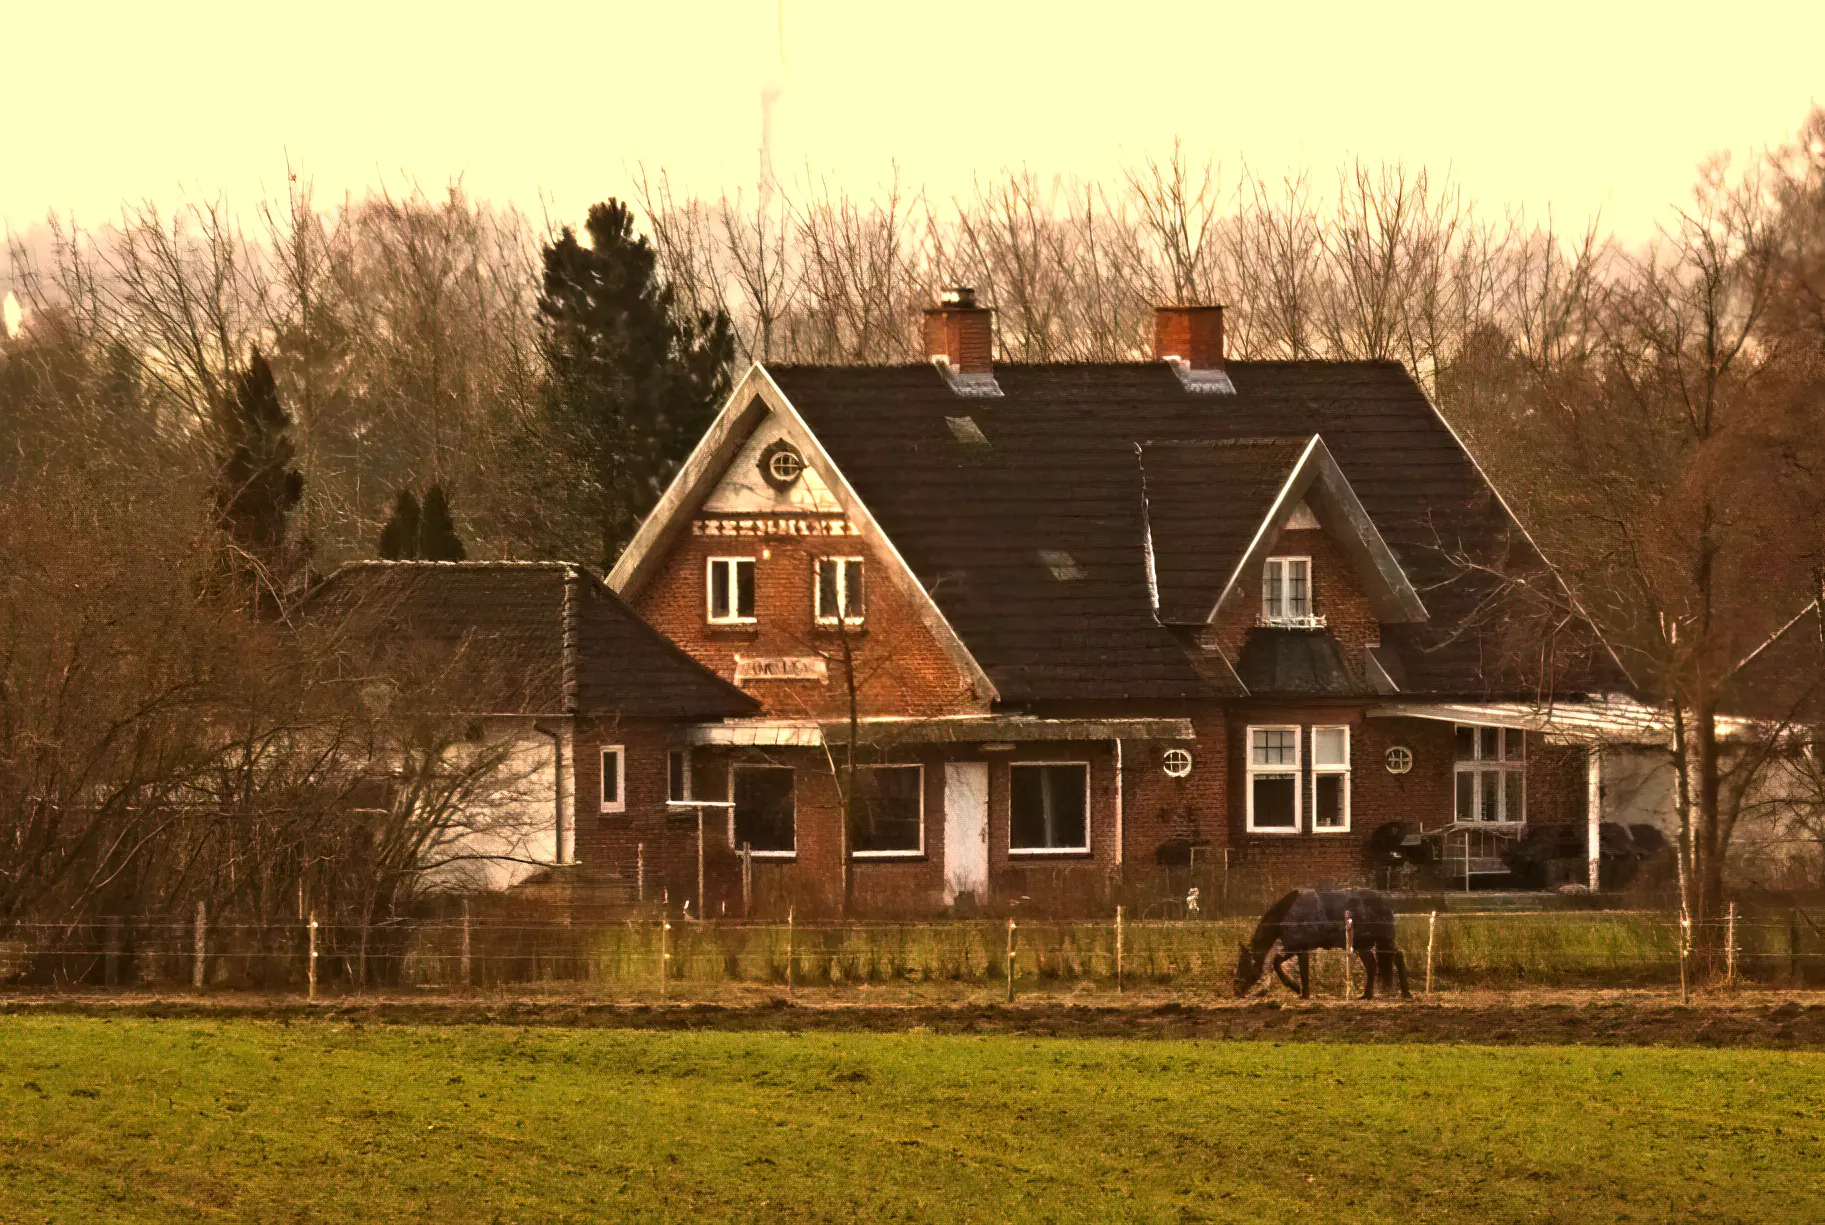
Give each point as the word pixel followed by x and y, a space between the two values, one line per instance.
pixel 1575 106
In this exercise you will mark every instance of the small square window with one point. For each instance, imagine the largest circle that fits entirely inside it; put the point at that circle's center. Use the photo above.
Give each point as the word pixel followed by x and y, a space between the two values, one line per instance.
pixel 1048 807
pixel 614 779
pixel 1275 746
pixel 1330 746
pixel 1274 802
pixel 889 811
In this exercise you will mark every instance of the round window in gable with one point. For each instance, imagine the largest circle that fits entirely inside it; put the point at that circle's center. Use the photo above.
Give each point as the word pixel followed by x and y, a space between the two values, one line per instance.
pixel 1399 759
pixel 1176 762
pixel 781 464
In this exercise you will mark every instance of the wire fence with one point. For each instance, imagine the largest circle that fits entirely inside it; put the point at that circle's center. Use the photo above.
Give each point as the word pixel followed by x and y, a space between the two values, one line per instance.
pixel 675 958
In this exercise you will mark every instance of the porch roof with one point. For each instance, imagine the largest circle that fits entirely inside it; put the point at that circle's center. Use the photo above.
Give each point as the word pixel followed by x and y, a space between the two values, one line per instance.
pixel 1613 719
pixel 951 729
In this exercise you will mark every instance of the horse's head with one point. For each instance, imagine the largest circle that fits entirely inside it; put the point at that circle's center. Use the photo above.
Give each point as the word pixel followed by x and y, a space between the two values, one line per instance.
pixel 1248 967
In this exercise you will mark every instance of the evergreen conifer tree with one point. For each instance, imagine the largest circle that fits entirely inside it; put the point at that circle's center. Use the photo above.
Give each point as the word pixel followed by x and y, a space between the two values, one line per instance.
pixel 399 538
pixel 437 538
pixel 633 378
pixel 256 485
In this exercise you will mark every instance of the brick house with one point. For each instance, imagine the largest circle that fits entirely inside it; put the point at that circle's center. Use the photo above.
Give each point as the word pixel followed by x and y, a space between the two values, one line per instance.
pixel 1049 627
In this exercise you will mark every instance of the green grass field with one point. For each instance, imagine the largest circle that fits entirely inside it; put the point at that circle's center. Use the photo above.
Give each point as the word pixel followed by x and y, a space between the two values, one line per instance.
pixel 145 1120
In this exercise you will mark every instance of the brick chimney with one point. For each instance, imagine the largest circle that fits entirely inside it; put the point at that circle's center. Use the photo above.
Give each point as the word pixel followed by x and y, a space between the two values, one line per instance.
pixel 1190 340
pixel 961 332
pixel 1192 334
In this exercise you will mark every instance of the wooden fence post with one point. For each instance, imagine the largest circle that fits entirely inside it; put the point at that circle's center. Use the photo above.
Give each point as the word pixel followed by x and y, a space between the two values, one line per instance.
pixel 1349 950
pixel 703 906
pixel 1119 933
pixel 747 880
pixel 665 953
pixel 791 951
pixel 1730 947
pixel 468 965
pixel 1431 928
pixel 201 944
pixel 310 969
pixel 640 873
pixel 1010 961
pixel 1685 944
pixel 1793 946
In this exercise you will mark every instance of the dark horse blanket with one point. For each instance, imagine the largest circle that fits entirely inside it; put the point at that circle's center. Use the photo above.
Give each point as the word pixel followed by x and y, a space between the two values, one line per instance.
pixel 1308 919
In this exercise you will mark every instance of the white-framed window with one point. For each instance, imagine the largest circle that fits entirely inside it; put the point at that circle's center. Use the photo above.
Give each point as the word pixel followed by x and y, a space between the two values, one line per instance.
pixel 1286 592
pixel 1273 779
pixel 763 816
pixel 1176 762
pixel 730 590
pixel 1491 775
pixel 888 812
pixel 1330 780
pixel 614 778
pixel 837 584
pixel 678 775
pixel 1048 807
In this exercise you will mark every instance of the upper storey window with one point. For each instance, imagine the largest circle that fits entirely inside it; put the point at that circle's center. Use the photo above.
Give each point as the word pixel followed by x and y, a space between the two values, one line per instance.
pixel 731 590
pixel 839 590
pixel 1286 592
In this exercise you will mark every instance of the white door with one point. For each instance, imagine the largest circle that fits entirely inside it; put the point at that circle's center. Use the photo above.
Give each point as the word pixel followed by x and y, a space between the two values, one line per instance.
pixel 966 830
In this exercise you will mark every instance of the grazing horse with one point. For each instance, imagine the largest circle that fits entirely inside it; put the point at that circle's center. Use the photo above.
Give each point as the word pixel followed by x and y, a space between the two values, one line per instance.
pixel 1308 919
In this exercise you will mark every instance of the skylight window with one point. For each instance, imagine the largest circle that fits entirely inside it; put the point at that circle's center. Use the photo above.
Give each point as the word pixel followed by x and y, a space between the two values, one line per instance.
pixel 1063 566
pixel 966 431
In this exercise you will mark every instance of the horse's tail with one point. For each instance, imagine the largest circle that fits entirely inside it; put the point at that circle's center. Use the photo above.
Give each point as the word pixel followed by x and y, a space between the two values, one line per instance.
pixel 1269 926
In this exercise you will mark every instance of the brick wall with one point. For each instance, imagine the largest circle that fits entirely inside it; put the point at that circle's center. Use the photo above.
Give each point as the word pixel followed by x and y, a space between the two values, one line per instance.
pixel 899 666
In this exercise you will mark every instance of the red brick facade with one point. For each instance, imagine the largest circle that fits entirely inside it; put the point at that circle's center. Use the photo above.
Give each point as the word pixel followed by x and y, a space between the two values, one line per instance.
pixel 900 668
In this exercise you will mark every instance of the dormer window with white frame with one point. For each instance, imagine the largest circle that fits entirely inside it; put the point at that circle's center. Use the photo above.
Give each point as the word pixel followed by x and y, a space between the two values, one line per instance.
pixel 730 582
pixel 1286 593
pixel 838 590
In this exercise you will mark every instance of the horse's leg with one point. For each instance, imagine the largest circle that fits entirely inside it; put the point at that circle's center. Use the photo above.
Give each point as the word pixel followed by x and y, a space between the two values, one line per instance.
pixel 1280 960
pixel 1400 967
pixel 1367 956
pixel 1305 976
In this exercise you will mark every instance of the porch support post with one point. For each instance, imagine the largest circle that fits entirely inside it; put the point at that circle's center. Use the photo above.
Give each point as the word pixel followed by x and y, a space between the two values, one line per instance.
pixel 1593 777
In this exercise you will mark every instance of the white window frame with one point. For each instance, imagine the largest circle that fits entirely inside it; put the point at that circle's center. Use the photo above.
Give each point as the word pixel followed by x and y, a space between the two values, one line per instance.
pixel 683 755
pixel 1339 771
pixel 734 592
pixel 1089 812
pixel 1501 766
pixel 1296 769
pixel 619 803
pixel 842 598
pixel 763 765
pixel 913 854
pixel 1306 620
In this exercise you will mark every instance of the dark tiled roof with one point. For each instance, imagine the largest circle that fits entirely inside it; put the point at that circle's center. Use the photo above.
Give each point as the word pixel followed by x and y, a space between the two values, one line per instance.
pixel 1295 662
pixel 1198 538
pixel 1058 474
pixel 544 637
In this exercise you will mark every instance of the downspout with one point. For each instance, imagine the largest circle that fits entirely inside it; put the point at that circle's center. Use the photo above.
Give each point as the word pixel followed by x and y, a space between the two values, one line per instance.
pixel 560 827
pixel 1118 802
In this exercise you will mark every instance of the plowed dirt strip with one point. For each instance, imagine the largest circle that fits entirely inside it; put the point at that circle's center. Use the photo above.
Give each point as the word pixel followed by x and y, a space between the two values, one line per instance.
pixel 1764 1020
